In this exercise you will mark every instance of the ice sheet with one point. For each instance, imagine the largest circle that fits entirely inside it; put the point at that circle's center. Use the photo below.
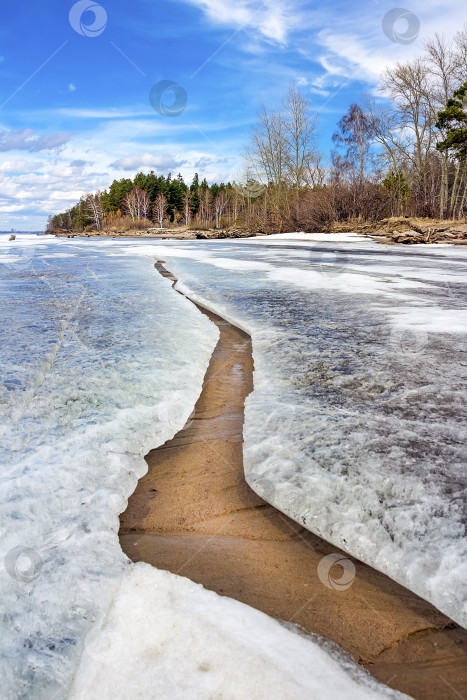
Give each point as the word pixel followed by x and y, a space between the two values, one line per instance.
pixel 166 637
pixel 101 361
pixel 356 426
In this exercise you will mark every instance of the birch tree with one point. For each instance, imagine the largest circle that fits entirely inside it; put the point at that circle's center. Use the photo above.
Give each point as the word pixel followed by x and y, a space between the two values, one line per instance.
pixel 220 203
pixel 187 207
pixel 93 207
pixel 160 208
pixel 137 204
pixel 299 129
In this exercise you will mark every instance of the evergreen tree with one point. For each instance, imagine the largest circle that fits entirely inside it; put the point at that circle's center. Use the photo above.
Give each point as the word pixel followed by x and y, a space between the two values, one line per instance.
pixel 398 187
pixel 141 181
pixel 194 195
pixel 117 191
pixel 454 120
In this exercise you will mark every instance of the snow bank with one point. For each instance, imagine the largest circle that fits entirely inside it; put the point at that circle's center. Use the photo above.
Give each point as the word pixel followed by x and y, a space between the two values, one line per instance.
pixel 167 637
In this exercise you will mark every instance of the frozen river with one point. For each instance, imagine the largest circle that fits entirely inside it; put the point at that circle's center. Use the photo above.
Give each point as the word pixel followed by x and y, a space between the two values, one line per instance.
pixel 355 428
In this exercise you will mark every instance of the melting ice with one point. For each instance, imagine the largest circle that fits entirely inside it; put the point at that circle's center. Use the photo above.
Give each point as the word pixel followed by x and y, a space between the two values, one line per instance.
pixel 102 361
pixel 357 423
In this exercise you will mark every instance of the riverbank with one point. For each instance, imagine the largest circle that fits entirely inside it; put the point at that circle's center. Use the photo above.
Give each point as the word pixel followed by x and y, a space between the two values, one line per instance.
pixel 392 231
pixel 194 514
pixel 181 233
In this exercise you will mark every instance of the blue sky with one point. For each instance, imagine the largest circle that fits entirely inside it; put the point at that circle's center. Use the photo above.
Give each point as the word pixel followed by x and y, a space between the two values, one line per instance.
pixel 75 110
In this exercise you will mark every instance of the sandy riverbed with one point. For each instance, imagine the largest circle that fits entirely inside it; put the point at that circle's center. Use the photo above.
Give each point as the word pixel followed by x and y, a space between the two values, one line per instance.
pixel 194 514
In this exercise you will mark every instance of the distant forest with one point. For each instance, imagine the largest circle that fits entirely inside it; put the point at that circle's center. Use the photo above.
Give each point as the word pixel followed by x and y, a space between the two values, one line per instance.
pixel 146 200
pixel 404 155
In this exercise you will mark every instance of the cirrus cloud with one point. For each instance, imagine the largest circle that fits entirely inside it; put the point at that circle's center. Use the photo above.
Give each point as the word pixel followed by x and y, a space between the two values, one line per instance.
pixel 29 140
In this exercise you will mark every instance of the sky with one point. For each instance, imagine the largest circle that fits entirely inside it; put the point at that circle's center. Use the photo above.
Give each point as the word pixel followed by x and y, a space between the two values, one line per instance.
pixel 90 91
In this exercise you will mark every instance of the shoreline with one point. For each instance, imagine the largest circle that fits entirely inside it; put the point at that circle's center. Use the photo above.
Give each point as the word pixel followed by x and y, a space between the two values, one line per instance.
pixel 194 514
pixel 392 231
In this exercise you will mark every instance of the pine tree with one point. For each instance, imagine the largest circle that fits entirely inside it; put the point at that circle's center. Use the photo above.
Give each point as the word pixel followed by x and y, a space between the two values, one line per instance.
pixel 454 120
pixel 194 195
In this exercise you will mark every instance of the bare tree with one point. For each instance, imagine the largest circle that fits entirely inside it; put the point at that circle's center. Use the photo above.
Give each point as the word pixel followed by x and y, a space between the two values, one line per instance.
pixel 408 86
pixel 160 208
pixel 220 203
pixel 50 224
pixel 354 136
pixel 137 204
pixel 299 129
pixel 460 49
pixel 265 154
pixel 205 208
pixel 187 207
pixel 93 207
pixel 444 64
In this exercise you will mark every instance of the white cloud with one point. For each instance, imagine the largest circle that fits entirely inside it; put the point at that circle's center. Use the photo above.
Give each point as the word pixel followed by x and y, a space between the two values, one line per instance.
pixel 162 161
pixel 111 113
pixel 11 208
pixel 57 179
pixel 28 140
pixel 79 163
pixel 72 88
pixel 354 46
pixel 19 166
pixel 274 19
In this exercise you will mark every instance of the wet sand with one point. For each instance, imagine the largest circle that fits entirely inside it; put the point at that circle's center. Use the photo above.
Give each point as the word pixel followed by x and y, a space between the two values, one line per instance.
pixel 194 514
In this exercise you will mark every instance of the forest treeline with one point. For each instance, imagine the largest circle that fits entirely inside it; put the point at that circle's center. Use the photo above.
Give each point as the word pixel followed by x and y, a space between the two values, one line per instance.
pixel 400 153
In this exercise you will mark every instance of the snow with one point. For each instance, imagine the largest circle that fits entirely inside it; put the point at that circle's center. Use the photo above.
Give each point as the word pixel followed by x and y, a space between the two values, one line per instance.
pixel 317 237
pixel 167 637
pixel 355 428
pixel 101 361
pixel 356 425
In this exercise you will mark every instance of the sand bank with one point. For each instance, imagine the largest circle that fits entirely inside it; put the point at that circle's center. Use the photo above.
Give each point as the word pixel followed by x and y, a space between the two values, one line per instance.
pixel 193 514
